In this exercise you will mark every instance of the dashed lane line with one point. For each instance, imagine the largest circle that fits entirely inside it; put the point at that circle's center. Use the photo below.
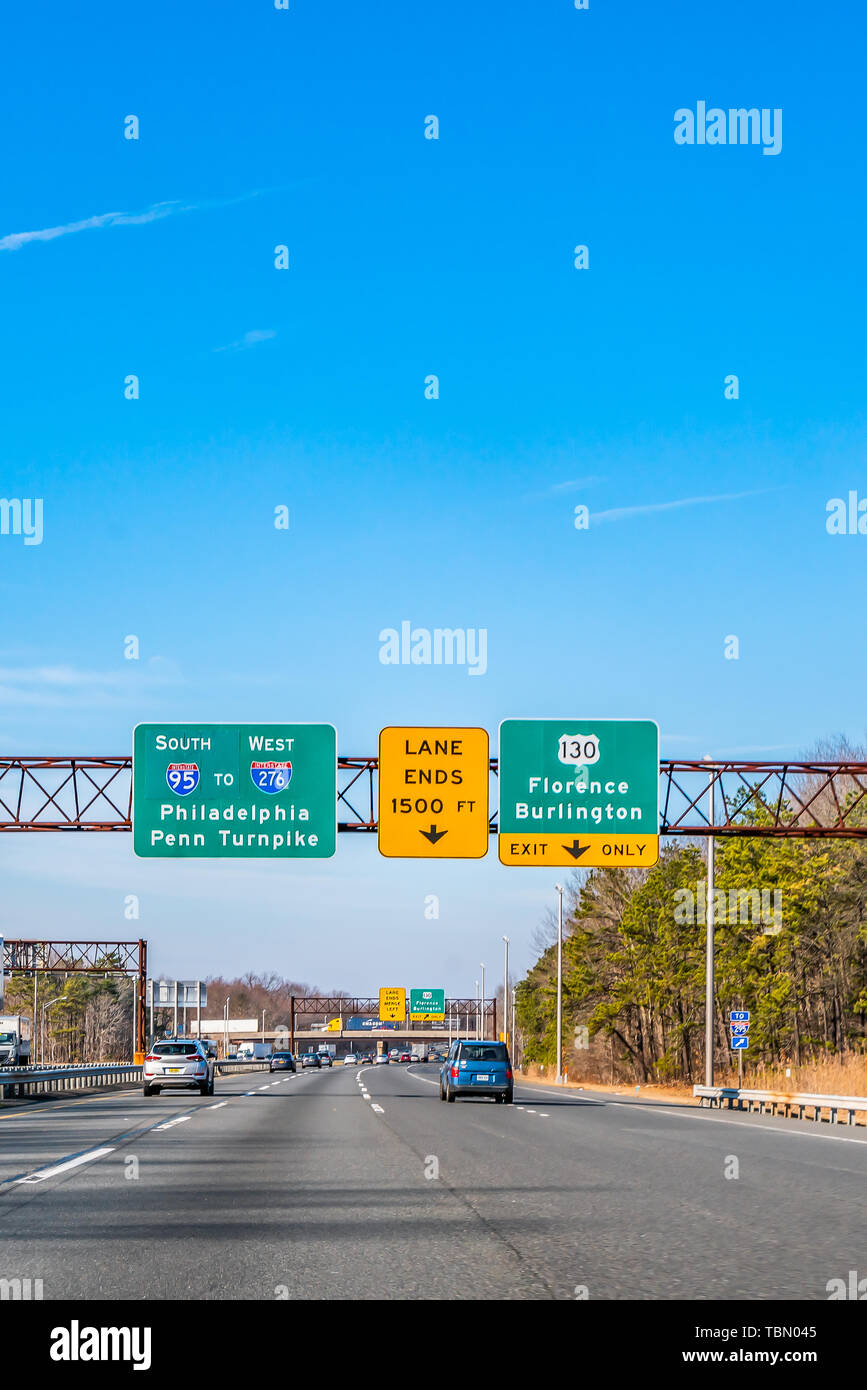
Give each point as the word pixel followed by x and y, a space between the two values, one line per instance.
pixel 44 1173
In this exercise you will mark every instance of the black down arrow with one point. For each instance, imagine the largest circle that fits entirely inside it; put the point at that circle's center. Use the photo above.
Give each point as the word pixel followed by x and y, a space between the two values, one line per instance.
pixel 433 834
pixel 576 849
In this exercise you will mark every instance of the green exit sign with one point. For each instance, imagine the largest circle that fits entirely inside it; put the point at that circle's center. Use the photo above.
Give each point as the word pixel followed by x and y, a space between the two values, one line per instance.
pixel 579 792
pixel 234 791
pixel 427 1004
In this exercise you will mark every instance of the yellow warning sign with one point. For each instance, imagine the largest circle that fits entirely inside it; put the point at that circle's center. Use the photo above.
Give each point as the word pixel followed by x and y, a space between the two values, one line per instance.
pixel 580 851
pixel 392 1005
pixel 433 793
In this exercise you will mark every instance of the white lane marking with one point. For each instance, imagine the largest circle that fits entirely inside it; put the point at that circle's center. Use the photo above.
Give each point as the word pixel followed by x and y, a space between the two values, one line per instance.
pixel 179 1120
pixel 218 1106
pixel 44 1173
pixel 529 1112
pixel 745 1124
pixel 378 1108
pixel 264 1088
pixel 543 1116
pixel 249 1093
pixel 702 1113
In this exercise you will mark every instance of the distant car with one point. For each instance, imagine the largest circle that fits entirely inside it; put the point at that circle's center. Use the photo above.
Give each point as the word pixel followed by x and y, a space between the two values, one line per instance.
pixel 352 1059
pixel 325 1059
pixel 368 1059
pixel 405 1057
pixel 311 1059
pixel 282 1061
pixel 394 1054
pixel 178 1063
pixel 382 1059
pixel 479 1069
pixel 434 1056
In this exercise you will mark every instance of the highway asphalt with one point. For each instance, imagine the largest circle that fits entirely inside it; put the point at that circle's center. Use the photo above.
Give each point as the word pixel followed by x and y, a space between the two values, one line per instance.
pixel 356 1184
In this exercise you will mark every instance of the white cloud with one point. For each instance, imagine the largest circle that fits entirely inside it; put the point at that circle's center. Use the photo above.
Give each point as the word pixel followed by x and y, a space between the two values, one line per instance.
pixel 621 513
pixel 67 687
pixel 571 484
pixel 255 335
pixel 13 241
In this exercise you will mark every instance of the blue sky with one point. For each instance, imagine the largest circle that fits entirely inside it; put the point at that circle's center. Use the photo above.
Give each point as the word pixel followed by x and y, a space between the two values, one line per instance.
pixel 306 388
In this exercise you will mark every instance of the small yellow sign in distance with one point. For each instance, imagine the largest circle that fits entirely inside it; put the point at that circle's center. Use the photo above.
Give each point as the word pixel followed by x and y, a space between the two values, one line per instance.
pixel 580 851
pixel 392 1004
pixel 433 793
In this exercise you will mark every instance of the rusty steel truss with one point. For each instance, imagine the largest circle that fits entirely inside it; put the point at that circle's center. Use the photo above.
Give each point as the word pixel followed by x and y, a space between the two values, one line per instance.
pixel 320 1007
pixel 797 799
pixel 29 956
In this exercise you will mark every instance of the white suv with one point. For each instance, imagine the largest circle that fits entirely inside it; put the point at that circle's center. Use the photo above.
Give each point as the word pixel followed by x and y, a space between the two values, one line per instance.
pixel 178 1062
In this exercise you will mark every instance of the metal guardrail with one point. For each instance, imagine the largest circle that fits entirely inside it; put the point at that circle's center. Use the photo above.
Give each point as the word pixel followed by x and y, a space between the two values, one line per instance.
pixel 71 1076
pixel 791 1104
pixel 66 1077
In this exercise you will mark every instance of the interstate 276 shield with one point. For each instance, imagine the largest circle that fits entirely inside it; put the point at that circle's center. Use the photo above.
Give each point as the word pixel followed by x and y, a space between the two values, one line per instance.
pixel 271 777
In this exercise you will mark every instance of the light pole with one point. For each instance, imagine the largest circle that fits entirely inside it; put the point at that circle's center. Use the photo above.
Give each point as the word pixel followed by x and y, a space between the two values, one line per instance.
pixel 558 888
pixel 506 995
pixel 264 1011
pixel 50 1005
pixel 482 1012
pixel 476 1020
pixel 226 1026
pixel 515 1039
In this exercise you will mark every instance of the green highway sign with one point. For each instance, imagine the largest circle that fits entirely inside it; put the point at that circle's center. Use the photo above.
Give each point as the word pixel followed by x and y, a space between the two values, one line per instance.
pixel 234 791
pixel 427 1005
pixel 579 792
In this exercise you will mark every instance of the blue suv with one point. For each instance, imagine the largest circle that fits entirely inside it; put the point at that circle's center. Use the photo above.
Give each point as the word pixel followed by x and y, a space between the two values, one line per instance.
pixel 477 1069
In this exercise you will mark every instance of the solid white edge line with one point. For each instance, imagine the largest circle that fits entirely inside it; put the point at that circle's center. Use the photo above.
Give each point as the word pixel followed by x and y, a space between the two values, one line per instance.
pixel 704 1113
pixel 42 1173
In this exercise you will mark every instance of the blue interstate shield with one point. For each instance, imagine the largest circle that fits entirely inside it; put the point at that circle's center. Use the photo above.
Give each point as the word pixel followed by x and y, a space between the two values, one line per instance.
pixel 271 777
pixel 182 778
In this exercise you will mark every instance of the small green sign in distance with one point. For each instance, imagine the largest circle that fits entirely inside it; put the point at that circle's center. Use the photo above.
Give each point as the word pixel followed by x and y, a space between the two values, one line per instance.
pixel 234 791
pixel 427 1005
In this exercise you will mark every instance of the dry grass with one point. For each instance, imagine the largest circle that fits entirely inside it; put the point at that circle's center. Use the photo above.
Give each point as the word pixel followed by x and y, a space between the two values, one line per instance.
pixel 828 1077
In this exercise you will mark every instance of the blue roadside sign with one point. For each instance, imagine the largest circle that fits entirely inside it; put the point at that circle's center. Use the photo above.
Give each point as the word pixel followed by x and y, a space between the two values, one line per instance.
pixel 740 1044
pixel 739 1015
pixel 740 1030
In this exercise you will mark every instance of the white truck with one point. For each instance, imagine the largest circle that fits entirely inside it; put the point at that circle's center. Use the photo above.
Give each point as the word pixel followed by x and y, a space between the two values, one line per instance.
pixel 15 1035
pixel 254 1052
